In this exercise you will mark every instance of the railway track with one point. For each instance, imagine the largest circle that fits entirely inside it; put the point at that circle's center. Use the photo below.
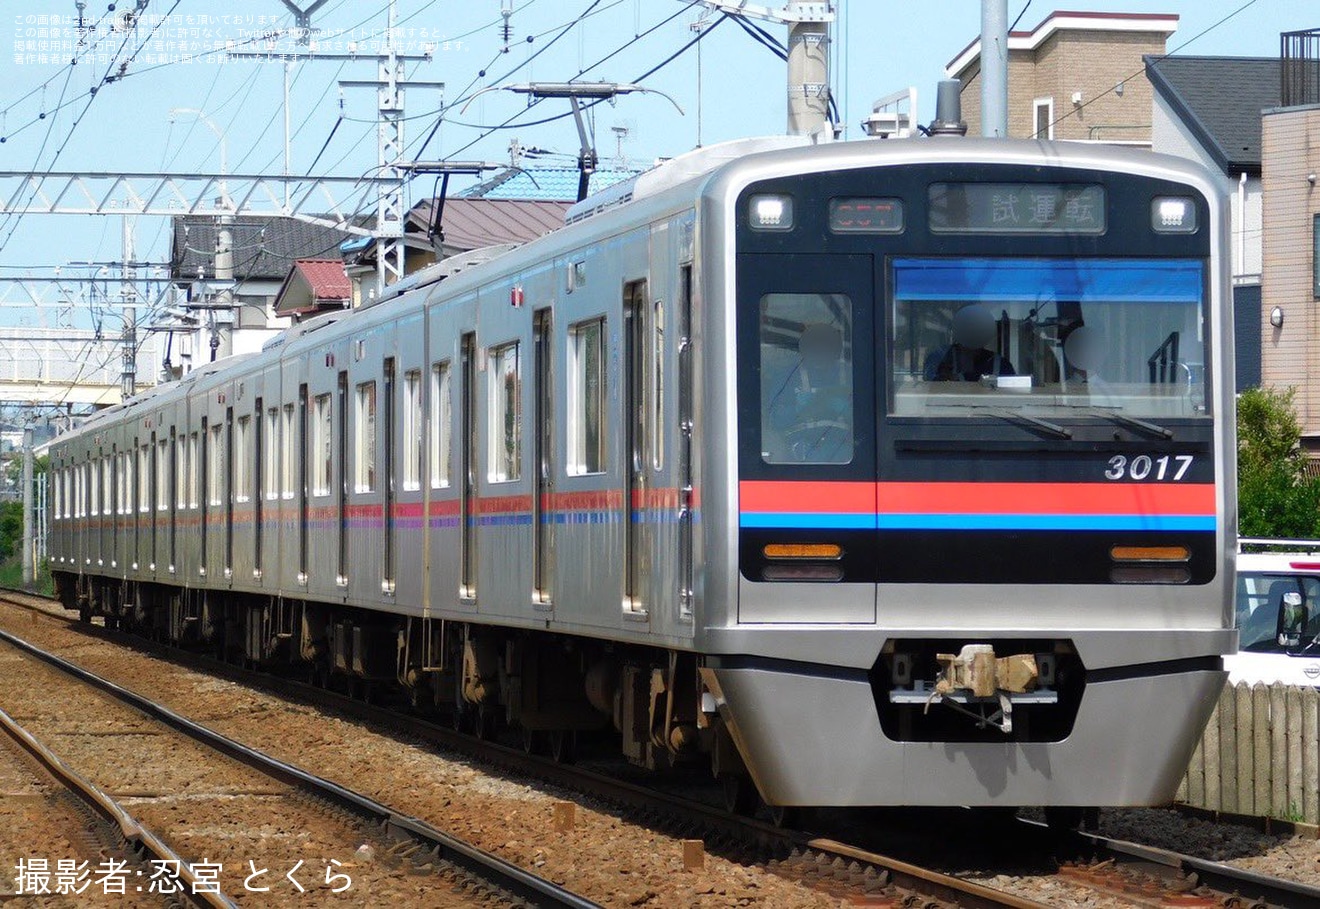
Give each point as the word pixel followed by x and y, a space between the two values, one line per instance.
pixel 205 792
pixel 1115 873
pixel 47 810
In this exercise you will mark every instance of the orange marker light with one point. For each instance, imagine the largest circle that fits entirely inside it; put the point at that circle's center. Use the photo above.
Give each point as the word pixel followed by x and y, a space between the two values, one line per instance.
pixel 802 551
pixel 1150 553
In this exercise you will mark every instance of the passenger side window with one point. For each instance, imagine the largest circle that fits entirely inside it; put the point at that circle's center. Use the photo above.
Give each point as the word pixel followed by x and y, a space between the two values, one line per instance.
pixel 272 446
pixel 321 441
pixel 242 459
pixel 215 467
pixel 505 426
pixel 181 472
pixel 163 475
pixel 586 398
pixel 193 482
pixel 412 429
pixel 144 477
pixel 365 447
pixel 441 425
pixel 288 447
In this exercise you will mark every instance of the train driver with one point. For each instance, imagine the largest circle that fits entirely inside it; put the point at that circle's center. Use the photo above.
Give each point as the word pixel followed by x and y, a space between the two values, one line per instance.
pixel 809 416
pixel 969 356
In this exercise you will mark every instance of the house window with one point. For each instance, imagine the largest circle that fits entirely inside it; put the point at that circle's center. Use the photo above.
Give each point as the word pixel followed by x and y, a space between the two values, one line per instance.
pixel 505 427
pixel 1315 255
pixel 1044 127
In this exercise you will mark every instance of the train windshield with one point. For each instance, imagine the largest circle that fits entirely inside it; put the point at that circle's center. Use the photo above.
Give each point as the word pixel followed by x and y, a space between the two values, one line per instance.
pixel 1048 337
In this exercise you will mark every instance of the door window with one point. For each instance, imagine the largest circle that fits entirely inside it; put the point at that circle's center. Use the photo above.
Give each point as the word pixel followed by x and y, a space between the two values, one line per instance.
pixel 806 378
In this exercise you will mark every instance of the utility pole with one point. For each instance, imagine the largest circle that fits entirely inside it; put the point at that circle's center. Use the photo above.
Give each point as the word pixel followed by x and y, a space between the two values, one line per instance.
pixel 391 202
pixel 808 24
pixel 28 572
pixel 223 301
pixel 994 68
pixel 128 379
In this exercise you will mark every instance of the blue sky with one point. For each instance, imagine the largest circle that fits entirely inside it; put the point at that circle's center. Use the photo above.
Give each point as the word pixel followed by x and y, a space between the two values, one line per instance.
pixel 880 47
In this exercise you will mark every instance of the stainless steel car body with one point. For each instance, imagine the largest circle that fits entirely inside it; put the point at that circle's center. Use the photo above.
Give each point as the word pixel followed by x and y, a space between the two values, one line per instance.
pixel 613 554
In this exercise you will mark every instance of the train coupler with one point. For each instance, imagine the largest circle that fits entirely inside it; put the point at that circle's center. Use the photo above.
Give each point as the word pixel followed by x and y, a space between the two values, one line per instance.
pixel 984 687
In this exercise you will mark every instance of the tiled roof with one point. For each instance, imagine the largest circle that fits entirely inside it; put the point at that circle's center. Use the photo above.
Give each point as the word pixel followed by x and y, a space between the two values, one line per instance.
pixel 1220 100
pixel 474 223
pixel 545 184
pixel 264 248
pixel 326 278
pixel 311 284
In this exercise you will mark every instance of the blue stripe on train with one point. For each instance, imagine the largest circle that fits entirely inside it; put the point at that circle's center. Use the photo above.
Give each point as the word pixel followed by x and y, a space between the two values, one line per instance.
pixel 768 520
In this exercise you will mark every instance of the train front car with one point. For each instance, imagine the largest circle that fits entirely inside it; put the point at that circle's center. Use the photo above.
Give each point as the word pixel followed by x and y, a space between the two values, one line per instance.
pixel 975 549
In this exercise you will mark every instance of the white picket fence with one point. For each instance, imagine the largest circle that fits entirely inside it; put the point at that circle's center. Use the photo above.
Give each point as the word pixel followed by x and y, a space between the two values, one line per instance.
pixel 1260 755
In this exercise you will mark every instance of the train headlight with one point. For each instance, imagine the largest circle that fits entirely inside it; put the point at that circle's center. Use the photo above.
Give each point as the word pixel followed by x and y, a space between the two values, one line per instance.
pixel 1173 215
pixel 771 212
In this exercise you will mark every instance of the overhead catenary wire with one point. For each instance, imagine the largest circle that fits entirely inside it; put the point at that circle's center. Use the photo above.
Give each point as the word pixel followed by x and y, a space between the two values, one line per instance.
pixel 508 123
pixel 12 220
pixel 92 29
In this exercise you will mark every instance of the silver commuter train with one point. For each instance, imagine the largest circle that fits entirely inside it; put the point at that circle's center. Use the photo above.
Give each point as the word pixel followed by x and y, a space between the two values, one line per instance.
pixel 756 460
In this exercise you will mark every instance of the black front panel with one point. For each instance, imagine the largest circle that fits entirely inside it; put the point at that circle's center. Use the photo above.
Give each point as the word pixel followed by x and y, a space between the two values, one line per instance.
pixel 1072 481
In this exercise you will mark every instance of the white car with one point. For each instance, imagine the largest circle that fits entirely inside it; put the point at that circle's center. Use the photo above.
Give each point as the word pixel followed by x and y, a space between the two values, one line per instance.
pixel 1278 613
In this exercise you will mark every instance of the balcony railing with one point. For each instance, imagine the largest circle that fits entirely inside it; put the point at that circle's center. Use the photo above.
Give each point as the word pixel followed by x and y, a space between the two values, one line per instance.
pixel 1299 74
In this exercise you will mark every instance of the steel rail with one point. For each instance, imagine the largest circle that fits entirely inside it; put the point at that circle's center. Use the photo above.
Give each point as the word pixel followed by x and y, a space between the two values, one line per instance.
pixel 1226 879
pixel 718 822
pixel 517 882
pixel 132 830
pixel 1220 877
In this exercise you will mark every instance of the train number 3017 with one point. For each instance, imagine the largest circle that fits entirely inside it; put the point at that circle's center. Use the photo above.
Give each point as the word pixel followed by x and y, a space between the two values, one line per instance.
pixel 1144 467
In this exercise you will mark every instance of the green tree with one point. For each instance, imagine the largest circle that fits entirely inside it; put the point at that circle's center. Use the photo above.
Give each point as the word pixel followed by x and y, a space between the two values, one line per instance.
pixel 1276 497
pixel 11 528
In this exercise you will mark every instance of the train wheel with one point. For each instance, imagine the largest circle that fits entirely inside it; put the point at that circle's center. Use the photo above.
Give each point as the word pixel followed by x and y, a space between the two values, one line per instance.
pixel 739 794
pixel 533 741
pixel 562 746
pixel 785 816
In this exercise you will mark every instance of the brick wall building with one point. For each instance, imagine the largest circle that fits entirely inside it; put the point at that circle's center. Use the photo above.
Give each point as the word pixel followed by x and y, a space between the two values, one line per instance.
pixel 1290 352
pixel 1074 76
